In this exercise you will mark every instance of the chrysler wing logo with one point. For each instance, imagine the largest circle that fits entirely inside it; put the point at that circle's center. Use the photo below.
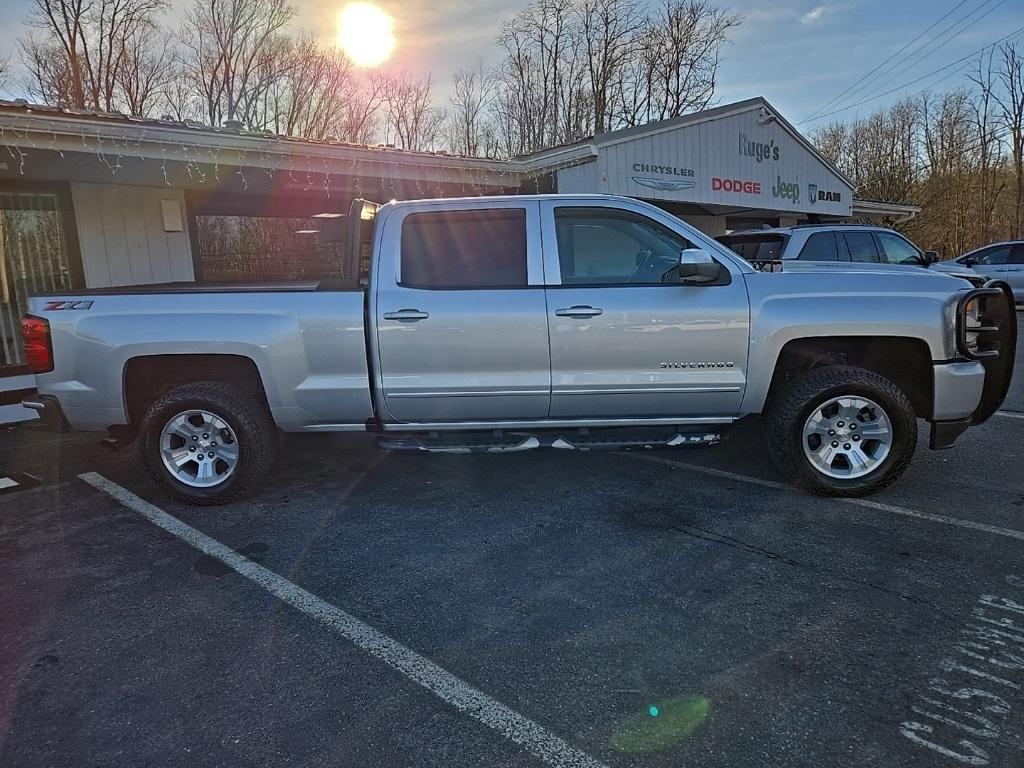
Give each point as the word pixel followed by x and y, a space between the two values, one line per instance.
pixel 665 185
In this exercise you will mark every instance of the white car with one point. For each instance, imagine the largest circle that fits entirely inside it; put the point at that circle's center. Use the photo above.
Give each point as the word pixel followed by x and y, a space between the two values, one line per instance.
pixel 1001 261
pixel 807 244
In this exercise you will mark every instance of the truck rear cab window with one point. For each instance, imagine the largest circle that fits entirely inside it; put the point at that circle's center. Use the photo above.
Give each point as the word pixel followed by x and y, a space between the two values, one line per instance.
pixel 861 246
pixel 821 246
pixel 464 249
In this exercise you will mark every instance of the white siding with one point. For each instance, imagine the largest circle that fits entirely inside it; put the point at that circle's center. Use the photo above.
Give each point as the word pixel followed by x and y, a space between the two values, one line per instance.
pixel 122 238
pixel 578 178
pixel 690 158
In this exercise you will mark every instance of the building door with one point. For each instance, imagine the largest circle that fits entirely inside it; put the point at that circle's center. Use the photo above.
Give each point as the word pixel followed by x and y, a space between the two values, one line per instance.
pixel 624 343
pixel 36 256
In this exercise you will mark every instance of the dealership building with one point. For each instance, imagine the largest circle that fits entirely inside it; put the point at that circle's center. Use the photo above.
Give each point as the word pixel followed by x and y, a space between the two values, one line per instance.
pixel 92 200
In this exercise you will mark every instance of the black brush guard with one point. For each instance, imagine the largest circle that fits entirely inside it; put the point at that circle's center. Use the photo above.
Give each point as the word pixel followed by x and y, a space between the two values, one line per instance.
pixel 997 342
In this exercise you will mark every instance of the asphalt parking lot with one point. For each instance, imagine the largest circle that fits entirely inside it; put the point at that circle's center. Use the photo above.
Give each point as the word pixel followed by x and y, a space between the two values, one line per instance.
pixel 369 609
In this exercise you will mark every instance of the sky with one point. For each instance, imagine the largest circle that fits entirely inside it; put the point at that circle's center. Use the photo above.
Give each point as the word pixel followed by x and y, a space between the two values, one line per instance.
pixel 797 54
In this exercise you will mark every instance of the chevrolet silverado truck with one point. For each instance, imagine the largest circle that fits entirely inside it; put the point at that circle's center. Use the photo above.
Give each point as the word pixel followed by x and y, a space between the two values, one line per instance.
pixel 504 324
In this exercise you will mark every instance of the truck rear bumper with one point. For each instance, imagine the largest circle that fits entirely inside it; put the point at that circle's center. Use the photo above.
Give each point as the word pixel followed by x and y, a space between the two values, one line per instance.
pixel 49 410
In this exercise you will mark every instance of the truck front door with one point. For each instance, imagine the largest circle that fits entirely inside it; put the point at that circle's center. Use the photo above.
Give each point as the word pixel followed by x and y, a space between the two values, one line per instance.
pixel 623 342
pixel 460 315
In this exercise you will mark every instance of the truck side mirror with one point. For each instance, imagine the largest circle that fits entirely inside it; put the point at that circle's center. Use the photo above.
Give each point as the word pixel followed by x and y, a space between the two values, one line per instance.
pixel 968 261
pixel 930 257
pixel 696 267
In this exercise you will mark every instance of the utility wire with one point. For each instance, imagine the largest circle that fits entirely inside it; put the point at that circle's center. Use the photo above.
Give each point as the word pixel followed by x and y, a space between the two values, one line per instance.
pixel 911 64
pixel 849 88
pixel 960 61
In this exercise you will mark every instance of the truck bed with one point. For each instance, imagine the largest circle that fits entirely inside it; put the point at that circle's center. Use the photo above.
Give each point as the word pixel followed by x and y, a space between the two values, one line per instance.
pixel 309 350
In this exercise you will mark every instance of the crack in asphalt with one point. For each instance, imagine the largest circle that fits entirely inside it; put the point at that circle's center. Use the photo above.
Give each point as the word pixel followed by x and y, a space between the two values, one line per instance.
pixel 754 549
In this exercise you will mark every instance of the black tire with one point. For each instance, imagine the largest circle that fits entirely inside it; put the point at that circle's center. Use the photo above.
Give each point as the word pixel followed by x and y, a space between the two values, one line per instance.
pixel 248 418
pixel 790 410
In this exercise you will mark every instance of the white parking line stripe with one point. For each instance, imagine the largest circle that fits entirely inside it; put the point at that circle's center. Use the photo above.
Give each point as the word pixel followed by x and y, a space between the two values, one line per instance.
pixel 891 508
pixel 446 686
pixel 1010 414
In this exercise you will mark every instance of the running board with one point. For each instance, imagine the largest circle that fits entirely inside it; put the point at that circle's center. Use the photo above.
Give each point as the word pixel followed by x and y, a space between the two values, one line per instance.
pixel 514 443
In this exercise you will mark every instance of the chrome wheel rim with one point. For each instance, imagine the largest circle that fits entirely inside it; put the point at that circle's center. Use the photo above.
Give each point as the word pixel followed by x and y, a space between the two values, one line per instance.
pixel 847 437
pixel 198 448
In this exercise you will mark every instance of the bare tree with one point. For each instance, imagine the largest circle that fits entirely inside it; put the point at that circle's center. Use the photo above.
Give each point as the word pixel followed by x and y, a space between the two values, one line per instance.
pixel 149 64
pixel 48 75
pixel 232 50
pixel 416 123
pixel 990 183
pixel 683 41
pixel 472 93
pixel 573 68
pixel 1011 102
pixel 609 33
pixel 92 39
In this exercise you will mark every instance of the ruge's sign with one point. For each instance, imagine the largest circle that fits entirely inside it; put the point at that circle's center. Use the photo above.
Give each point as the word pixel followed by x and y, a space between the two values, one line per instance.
pixel 759 150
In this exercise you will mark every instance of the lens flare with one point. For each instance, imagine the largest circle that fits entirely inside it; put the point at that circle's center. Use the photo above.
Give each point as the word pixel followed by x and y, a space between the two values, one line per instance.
pixel 366 34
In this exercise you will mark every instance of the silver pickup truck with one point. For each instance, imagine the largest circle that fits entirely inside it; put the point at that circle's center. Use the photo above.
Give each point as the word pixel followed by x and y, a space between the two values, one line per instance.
pixel 506 324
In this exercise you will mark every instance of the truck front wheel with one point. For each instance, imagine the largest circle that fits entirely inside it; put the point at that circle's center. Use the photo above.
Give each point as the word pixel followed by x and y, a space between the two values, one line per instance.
pixel 841 431
pixel 207 443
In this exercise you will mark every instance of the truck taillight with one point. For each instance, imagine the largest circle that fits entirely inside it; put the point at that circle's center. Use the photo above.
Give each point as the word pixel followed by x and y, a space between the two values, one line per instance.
pixel 35 334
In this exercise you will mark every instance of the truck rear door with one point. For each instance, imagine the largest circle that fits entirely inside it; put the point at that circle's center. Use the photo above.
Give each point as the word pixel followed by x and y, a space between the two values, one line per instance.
pixel 624 343
pixel 460 316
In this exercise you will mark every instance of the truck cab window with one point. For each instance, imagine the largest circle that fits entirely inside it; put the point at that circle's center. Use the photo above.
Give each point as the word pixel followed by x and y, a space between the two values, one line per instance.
pixel 601 246
pixel 464 249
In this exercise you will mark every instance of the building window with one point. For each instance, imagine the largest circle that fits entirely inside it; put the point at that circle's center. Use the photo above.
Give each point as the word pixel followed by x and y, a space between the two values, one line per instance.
pixel 33 259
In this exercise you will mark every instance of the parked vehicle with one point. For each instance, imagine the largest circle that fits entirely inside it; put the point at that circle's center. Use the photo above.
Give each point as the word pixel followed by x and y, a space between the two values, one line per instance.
pixel 999 261
pixel 838 244
pixel 504 324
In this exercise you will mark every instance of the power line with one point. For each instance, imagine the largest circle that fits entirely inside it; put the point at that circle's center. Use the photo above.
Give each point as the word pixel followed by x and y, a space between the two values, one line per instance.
pixel 959 61
pixel 880 65
pixel 911 64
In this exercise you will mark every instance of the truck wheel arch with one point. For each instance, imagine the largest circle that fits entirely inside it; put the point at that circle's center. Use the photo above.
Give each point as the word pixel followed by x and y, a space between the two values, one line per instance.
pixel 904 360
pixel 148 377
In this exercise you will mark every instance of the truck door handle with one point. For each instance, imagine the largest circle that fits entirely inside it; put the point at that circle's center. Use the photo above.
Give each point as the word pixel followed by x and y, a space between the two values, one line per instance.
pixel 410 315
pixel 579 310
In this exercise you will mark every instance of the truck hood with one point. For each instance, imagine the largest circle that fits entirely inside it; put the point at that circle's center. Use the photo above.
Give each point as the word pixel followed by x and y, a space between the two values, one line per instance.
pixel 862 268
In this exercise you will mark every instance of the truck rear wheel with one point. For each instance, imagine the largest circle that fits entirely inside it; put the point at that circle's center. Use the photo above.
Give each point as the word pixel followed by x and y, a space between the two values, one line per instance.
pixel 841 431
pixel 207 443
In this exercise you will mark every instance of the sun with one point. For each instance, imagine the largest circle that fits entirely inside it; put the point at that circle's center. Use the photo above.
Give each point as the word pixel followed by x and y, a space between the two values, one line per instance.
pixel 366 34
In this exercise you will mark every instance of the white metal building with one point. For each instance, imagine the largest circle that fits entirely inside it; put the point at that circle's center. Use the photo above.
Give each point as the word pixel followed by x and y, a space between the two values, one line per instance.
pixel 734 166
pixel 92 200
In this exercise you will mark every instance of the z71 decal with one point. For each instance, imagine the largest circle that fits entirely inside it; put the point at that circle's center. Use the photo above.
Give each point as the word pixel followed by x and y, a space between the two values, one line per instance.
pixel 52 306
